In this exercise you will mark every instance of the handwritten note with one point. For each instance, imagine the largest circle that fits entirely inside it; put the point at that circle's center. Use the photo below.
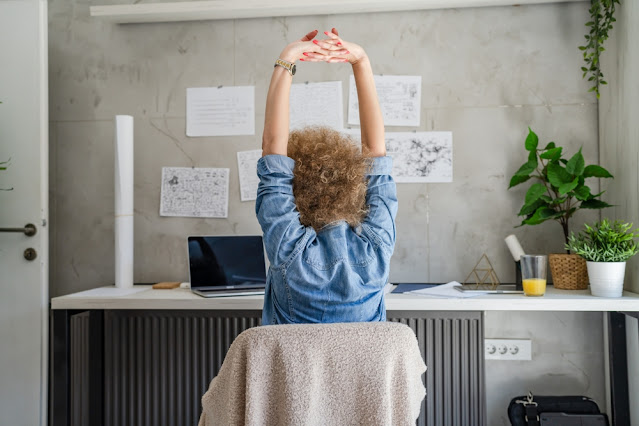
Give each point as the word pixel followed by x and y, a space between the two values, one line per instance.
pixel 220 111
pixel 247 167
pixel 194 192
pixel 317 104
pixel 399 98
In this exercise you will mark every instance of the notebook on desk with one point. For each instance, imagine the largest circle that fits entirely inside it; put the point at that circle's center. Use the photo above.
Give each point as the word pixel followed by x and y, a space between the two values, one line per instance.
pixel 227 265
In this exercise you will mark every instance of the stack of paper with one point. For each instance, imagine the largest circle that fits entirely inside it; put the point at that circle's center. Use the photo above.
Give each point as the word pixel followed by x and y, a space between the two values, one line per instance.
pixel 444 290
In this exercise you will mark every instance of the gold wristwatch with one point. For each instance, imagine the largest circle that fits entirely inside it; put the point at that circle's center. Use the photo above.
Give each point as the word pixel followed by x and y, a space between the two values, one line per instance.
pixel 289 66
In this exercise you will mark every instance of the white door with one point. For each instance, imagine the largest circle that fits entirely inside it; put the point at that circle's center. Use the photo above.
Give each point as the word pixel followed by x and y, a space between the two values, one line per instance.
pixel 24 288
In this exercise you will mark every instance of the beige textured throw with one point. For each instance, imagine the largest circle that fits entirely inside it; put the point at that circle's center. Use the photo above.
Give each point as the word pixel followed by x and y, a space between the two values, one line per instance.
pixel 318 374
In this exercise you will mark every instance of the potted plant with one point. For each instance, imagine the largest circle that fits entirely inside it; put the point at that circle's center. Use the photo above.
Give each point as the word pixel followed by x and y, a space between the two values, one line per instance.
pixel 558 192
pixel 606 247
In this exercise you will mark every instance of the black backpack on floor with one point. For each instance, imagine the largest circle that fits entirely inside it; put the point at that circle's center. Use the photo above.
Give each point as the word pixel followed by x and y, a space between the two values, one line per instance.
pixel 555 411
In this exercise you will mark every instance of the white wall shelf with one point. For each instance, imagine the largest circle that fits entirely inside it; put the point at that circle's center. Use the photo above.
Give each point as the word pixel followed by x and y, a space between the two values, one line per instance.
pixel 242 9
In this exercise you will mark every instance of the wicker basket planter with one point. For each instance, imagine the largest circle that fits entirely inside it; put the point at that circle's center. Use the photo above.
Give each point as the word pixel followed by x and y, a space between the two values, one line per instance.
pixel 569 271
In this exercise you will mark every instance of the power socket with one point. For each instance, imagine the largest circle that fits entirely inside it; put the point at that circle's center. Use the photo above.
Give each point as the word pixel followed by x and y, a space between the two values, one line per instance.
pixel 508 349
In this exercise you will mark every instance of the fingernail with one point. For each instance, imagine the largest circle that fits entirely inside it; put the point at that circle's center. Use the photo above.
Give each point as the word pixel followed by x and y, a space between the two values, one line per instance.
pixel 315 41
pixel 301 59
pixel 348 51
pixel 305 54
pixel 339 44
pixel 326 32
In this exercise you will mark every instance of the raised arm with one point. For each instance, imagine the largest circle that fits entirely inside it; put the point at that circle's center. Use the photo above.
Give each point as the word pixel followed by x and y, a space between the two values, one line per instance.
pixel 275 205
pixel 370 114
pixel 276 121
pixel 381 194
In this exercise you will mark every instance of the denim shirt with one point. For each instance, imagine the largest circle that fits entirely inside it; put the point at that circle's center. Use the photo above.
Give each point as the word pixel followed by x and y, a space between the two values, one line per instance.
pixel 335 275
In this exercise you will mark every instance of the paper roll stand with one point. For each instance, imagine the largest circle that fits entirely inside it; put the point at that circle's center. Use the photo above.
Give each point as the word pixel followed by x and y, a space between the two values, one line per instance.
pixel 123 201
pixel 517 251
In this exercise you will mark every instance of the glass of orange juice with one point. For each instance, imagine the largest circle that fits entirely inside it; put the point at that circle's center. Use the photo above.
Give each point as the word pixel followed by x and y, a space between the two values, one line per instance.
pixel 533 274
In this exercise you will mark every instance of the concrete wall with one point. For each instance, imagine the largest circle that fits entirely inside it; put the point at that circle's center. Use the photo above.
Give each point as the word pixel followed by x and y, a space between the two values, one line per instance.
pixel 619 148
pixel 488 74
pixel 567 358
pixel 619 128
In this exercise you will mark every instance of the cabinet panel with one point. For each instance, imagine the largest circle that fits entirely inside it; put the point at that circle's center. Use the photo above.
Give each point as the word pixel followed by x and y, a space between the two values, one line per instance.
pixel 158 364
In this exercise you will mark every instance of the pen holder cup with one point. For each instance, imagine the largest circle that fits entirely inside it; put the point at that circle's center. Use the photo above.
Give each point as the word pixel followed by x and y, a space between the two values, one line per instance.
pixel 518 283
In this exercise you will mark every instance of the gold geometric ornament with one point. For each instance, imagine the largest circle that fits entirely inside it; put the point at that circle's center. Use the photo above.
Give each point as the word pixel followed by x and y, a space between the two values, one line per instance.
pixel 483 275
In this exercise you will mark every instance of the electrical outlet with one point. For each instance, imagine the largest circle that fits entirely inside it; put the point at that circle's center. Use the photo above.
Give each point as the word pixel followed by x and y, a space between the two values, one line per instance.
pixel 508 349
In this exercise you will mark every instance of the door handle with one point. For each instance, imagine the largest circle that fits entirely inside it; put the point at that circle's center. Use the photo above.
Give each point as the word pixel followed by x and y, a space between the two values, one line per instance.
pixel 29 230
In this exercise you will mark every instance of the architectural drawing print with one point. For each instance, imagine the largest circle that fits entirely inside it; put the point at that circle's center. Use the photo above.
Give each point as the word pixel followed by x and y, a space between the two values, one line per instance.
pixel 316 104
pixel 399 99
pixel 247 168
pixel 194 192
pixel 421 156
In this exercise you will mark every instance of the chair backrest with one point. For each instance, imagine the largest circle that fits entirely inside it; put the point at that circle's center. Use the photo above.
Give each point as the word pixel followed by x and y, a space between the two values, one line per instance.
pixel 318 374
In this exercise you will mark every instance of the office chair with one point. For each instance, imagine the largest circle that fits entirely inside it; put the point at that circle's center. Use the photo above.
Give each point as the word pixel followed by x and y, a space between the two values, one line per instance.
pixel 318 374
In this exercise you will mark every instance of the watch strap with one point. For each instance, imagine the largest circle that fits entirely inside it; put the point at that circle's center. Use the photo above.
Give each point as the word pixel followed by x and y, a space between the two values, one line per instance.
pixel 288 66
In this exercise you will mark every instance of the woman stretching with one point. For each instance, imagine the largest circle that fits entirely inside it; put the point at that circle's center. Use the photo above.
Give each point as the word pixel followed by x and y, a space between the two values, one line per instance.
pixel 327 209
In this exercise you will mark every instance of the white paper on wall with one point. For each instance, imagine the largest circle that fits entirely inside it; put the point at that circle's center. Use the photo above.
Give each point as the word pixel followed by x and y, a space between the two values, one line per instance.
pixel 317 104
pixel 399 99
pixel 247 167
pixel 421 156
pixel 220 111
pixel 194 192
pixel 418 157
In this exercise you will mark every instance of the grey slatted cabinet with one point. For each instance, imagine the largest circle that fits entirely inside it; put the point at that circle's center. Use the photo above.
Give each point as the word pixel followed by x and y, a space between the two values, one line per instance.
pixel 158 364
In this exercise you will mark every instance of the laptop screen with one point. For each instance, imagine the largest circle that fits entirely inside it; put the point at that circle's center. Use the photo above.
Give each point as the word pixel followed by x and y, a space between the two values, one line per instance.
pixel 224 261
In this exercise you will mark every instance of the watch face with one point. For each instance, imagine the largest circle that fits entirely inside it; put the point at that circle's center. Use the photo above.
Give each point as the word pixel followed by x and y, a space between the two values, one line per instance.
pixel 293 69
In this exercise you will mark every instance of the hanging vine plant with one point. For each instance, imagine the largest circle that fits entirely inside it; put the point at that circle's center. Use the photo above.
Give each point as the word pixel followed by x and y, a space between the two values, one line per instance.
pixel 601 19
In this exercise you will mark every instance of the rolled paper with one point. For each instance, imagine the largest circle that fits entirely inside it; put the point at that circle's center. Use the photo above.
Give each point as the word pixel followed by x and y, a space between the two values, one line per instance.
pixel 515 248
pixel 123 201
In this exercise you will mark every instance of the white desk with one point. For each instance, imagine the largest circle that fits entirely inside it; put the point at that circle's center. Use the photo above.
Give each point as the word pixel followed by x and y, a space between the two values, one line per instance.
pixel 554 300
pixel 240 312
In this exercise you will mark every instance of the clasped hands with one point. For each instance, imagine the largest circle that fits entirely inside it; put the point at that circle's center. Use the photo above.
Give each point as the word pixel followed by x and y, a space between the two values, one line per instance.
pixel 331 49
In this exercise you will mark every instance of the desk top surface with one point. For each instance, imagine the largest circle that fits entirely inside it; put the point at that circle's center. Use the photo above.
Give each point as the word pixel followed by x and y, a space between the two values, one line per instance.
pixel 144 297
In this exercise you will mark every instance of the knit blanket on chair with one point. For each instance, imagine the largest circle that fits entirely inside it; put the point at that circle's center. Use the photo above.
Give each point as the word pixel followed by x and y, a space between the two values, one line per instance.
pixel 318 374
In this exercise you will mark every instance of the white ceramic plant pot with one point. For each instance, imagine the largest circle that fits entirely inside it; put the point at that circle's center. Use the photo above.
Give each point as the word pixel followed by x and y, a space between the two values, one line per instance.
pixel 606 278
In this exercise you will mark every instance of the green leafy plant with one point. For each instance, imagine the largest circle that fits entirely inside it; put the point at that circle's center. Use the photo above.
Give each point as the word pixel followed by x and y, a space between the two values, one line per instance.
pixel 605 242
pixel 560 189
pixel 601 18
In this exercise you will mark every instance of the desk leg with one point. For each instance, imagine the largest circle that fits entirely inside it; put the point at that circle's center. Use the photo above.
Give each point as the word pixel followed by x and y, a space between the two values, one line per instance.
pixel 619 401
pixel 96 368
pixel 59 358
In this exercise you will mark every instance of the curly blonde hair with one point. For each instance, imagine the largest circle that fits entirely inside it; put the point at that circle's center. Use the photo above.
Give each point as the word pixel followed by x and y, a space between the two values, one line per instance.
pixel 329 178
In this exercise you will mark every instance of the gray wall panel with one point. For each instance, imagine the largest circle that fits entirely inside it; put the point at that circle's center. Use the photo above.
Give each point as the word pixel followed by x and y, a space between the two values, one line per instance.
pixel 79 358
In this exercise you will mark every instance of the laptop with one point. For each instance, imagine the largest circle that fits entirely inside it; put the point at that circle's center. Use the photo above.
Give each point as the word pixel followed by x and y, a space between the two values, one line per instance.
pixel 227 265
pixel 487 289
